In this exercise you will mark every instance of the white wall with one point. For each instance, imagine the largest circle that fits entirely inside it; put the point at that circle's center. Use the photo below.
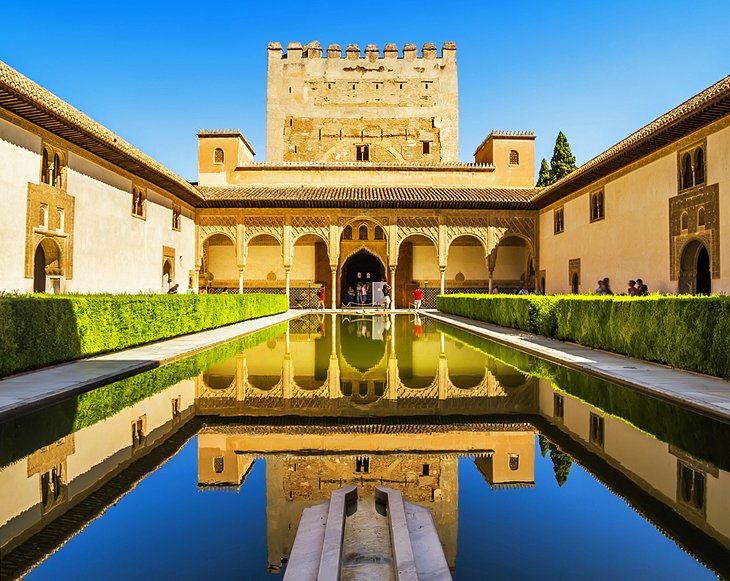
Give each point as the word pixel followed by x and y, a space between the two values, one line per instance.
pixel 20 163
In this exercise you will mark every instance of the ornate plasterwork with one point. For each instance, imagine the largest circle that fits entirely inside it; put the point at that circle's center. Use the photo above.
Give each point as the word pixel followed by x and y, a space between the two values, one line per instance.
pixel 210 225
pixel 315 225
pixel 522 226
pixel 257 225
pixel 421 225
pixel 467 226
pixel 708 199
pixel 62 234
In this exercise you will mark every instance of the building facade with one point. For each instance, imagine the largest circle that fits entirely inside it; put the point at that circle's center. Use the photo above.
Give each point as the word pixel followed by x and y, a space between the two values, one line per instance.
pixel 362 184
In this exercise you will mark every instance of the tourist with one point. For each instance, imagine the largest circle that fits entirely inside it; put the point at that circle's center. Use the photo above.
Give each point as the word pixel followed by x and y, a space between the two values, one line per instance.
pixel 607 286
pixel 641 289
pixel 386 296
pixel 599 288
pixel 358 290
pixel 173 289
pixel 417 298
pixel 417 326
pixel 320 304
pixel 350 296
pixel 364 291
pixel 632 290
pixel 523 291
pixel 495 290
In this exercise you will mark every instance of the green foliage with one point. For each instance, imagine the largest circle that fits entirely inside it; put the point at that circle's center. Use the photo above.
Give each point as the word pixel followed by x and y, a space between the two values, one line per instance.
pixel 544 445
pixel 544 177
pixel 699 435
pixel 682 331
pixel 561 464
pixel 20 437
pixel 563 161
pixel 39 330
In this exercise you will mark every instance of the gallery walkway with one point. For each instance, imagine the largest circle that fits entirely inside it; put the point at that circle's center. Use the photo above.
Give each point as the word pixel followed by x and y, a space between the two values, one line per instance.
pixel 703 393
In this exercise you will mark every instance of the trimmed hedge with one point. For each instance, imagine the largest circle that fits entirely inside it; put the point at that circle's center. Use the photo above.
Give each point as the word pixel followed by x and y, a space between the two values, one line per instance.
pixel 687 332
pixel 699 435
pixel 24 435
pixel 40 330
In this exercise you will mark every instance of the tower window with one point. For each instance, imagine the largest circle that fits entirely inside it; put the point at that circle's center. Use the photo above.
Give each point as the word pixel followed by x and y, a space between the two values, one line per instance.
pixel 426 147
pixel 362 152
pixel 218 156
pixel 559 221
pixel 597 209
pixel 514 157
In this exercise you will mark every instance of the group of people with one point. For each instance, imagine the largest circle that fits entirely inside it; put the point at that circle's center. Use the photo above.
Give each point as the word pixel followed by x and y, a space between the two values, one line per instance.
pixel 359 294
pixel 637 288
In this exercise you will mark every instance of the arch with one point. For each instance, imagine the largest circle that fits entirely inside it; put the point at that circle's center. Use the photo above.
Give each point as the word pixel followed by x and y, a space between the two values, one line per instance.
pixel 513 262
pixel 684 221
pixel 310 268
pixel 56 174
pixel 699 166
pixel 167 274
pixel 379 233
pixel 417 263
pixel 461 237
pixel 218 156
pixel 219 260
pixel 312 234
pixel 221 375
pixel 695 276
pixel 687 180
pixel 264 364
pixel 47 260
pixel 466 367
pixel 360 266
pixel 701 216
pixel 45 162
pixel 347 232
pixel 363 232
pixel 514 157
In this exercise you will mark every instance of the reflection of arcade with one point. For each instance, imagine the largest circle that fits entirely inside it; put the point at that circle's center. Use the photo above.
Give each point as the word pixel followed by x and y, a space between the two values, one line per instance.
pixel 423 468
pixel 367 372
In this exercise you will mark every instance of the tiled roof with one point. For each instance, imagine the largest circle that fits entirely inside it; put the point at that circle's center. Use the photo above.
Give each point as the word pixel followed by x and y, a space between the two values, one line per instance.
pixel 704 108
pixel 367 197
pixel 30 101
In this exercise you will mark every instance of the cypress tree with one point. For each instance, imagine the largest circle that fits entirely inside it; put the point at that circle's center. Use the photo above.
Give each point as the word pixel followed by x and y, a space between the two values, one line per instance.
pixel 544 178
pixel 563 161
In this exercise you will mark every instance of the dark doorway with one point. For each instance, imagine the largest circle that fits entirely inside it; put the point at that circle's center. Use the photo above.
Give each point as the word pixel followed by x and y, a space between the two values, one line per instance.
pixel 361 267
pixel 704 284
pixel 39 270
pixel 574 286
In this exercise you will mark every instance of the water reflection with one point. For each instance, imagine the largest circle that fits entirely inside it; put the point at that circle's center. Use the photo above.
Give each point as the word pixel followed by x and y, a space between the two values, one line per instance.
pixel 447 418
pixel 365 365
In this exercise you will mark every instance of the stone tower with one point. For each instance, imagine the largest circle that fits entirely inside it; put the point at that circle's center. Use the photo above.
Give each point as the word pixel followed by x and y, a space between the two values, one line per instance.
pixel 377 108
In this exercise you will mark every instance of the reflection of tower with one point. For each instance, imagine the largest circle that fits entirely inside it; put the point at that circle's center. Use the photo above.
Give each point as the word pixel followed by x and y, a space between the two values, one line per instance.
pixel 293 484
pixel 512 465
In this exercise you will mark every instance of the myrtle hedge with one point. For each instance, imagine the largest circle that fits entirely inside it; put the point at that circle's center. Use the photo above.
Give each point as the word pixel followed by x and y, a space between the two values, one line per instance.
pixel 682 331
pixel 39 330
pixel 699 435
pixel 22 436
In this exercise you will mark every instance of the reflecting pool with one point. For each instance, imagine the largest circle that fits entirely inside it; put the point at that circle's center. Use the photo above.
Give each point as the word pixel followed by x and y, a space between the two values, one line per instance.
pixel 201 468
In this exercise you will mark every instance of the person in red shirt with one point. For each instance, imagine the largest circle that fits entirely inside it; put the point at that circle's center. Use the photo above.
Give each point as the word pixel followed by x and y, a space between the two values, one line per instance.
pixel 320 305
pixel 417 297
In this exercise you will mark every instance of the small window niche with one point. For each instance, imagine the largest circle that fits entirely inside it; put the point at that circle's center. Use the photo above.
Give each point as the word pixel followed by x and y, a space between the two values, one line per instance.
pixel 691 486
pixel 347 233
pixel 514 157
pixel 558 406
pixel 596 430
pixel 362 233
pixel 362 152
pixel 60 220
pixel 514 462
pixel 559 220
pixel 218 156
pixel 426 145
pixel 597 206
pixel 139 202
pixel 176 217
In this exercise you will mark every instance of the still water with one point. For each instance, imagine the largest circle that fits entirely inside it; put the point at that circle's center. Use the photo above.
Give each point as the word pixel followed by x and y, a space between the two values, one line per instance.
pixel 201 469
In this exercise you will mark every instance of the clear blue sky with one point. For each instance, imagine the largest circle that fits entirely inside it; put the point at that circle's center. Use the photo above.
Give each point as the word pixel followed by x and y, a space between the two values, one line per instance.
pixel 155 72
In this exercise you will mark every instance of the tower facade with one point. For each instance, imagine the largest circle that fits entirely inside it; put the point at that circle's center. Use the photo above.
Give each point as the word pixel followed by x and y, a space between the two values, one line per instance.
pixel 381 108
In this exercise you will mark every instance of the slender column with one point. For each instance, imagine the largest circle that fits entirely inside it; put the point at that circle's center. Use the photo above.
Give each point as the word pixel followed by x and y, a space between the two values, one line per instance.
pixel 287 270
pixel 491 275
pixel 443 281
pixel 196 280
pixel 240 281
pixel 334 288
pixel 392 288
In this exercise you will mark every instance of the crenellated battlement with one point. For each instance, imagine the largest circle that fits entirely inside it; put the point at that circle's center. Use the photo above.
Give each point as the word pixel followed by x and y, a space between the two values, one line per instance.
pixel 295 51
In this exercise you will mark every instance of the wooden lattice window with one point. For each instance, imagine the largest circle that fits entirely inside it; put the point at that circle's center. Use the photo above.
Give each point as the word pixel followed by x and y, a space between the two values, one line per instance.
pixel 514 157
pixel 362 233
pixel 218 156
pixel 347 233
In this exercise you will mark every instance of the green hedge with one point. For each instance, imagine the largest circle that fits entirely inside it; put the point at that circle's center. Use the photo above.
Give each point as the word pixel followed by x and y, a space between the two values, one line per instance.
pixel 40 330
pixel 682 331
pixel 699 435
pixel 22 436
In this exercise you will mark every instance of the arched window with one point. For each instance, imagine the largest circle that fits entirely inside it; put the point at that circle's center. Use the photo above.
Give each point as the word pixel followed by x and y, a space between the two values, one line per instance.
pixel 347 233
pixel 684 221
pixel 363 232
pixel 701 217
pixel 218 156
pixel 56 178
pixel 45 176
pixel 699 166
pixel 514 158
pixel 379 234
pixel 686 171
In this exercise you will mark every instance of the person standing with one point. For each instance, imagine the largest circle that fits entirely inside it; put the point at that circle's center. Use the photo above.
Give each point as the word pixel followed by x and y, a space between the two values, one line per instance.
pixel 358 292
pixel 417 298
pixel 364 291
pixel 320 304
pixel 632 290
pixel 386 296
pixel 641 289
pixel 350 296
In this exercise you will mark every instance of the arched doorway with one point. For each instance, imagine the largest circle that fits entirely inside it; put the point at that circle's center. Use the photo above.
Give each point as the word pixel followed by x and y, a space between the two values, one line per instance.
pixel 167 279
pixel 47 262
pixel 695 276
pixel 361 267
pixel 218 270
pixel 513 264
pixel 574 284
